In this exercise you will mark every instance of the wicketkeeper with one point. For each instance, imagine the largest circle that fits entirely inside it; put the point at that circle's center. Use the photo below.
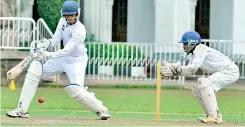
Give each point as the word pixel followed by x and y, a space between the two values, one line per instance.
pixel 222 70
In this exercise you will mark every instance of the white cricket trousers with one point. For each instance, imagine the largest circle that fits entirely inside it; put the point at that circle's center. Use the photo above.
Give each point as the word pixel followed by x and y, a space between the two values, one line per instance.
pixel 224 77
pixel 74 67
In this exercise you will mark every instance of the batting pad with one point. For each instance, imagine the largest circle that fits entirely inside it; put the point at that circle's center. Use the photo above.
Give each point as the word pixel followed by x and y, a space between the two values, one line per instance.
pixel 208 96
pixel 85 98
pixel 30 85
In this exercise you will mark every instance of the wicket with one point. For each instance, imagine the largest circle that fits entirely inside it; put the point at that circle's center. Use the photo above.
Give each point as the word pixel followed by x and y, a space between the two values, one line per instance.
pixel 158 91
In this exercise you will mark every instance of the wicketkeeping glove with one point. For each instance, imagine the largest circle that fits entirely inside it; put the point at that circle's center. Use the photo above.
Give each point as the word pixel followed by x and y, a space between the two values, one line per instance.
pixel 170 69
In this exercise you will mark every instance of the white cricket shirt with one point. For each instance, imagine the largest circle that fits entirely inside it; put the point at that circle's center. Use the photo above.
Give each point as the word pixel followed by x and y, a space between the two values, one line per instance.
pixel 208 59
pixel 73 37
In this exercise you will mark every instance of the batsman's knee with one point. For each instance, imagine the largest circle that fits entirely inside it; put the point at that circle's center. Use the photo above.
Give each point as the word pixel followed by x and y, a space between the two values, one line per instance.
pixel 36 68
pixel 86 98
pixel 35 71
pixel 75 91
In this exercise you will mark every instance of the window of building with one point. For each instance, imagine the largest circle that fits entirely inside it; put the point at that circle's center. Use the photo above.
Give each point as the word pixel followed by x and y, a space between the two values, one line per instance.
pixel 202 18
pixel 205 12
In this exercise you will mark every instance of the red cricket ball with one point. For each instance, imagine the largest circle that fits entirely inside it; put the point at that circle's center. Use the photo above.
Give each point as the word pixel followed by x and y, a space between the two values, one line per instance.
pixel 40 99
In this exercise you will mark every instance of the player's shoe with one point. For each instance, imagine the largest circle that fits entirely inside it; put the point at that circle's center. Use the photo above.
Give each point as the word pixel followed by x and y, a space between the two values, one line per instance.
pixel 199 118
pixel 103 115
pixel 208 119
pixel 18 112
pixel 218 120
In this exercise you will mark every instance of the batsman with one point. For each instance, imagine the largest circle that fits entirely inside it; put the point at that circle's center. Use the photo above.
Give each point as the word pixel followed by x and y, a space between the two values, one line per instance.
pixel 72 60
pixel 222 70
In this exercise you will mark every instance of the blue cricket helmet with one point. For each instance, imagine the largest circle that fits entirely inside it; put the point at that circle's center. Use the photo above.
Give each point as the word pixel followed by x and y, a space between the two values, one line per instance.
pixel 69 7
pixel 190 38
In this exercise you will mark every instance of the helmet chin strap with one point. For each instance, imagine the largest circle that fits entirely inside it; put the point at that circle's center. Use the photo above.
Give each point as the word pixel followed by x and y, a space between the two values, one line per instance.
pixel 191 49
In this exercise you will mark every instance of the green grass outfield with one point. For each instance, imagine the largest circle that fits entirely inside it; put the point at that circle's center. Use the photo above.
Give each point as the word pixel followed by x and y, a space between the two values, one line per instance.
pixel 128 103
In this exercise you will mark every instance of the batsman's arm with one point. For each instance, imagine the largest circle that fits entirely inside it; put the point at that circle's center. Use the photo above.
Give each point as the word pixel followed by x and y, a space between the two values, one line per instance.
pixel 77 38
pixel 57 35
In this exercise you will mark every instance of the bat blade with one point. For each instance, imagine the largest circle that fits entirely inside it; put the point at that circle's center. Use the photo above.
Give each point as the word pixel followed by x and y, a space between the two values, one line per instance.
pixel 18 69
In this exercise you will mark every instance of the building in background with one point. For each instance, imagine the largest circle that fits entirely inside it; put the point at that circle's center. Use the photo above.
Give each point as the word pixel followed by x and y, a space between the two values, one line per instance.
pixel 160 21
pixel 7 8
pixel 150 21
pixel 16 8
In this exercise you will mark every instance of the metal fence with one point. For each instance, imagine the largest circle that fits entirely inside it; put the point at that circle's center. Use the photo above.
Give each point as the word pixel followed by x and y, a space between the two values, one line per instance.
pixel 116 61
pixel 128 61
pixel 43 31
pixel 16 33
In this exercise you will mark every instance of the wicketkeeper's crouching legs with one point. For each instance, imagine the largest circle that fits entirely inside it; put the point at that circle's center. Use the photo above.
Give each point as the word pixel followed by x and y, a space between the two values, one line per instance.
pixel 205 94
pixel 196 93
pixel 88 99
pixel 28 91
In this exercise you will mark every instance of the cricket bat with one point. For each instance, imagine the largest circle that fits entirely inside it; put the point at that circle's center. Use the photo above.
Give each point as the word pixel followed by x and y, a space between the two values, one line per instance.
pixel 19 68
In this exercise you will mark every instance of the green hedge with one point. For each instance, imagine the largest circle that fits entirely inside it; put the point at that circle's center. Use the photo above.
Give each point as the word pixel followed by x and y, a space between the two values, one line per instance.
pixel 114 51
pixel 49 10
pixel 119 51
